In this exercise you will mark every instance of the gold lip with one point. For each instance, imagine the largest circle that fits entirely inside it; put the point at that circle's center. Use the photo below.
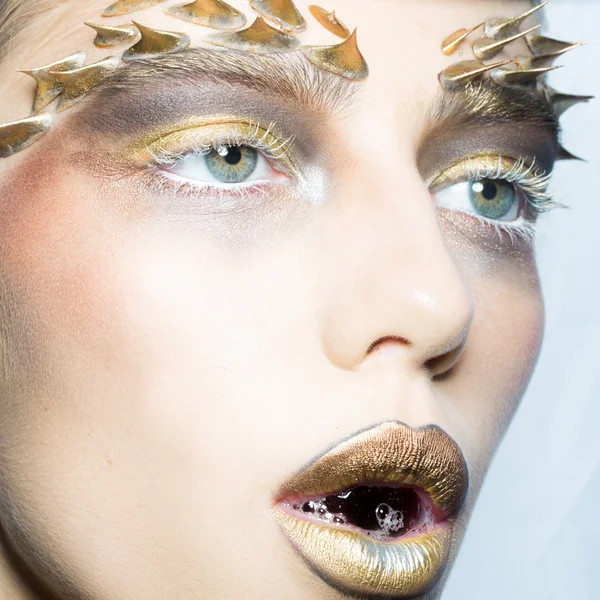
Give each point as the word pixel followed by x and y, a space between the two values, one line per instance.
pixel 390 453
pixel 358 565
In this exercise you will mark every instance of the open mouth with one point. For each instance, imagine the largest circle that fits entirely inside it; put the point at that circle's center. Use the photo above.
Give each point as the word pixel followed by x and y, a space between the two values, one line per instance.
pixel 374 515
pixel 380 512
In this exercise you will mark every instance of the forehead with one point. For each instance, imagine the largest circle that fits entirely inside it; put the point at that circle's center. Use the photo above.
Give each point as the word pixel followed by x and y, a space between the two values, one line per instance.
pixel 400 39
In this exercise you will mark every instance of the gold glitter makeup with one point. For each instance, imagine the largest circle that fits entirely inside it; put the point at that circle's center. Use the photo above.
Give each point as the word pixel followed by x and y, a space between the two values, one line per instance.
pixel 209 13
pixel 78 82
pixel 486 49
pixel 453 42
pixel 459 74
pixel 17 135
pixel 517 77
pixel 155 42
pixel 259 37
pixel 343 59
pixel 561 103
pixel 391 454
pixel 124 7
pixel 48 85
pixel 502 28
pixel 281 12
pixel 329 21
pixel 107 36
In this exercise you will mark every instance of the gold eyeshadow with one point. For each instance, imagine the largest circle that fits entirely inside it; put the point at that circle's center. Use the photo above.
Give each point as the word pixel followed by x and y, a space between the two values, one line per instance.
pixel 460 170
pixel 198 136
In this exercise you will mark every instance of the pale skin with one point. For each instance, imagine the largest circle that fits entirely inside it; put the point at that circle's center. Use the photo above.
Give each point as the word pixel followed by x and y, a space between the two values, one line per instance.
pixel 164 370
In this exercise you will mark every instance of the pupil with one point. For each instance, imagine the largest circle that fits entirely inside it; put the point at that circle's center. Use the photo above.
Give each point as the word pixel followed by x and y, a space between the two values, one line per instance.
pixel 233 156
pixel 489 191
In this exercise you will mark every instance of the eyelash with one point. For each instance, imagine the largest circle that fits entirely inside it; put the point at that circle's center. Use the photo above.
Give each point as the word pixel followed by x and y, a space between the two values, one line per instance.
pixel 529 181
pixel 256 137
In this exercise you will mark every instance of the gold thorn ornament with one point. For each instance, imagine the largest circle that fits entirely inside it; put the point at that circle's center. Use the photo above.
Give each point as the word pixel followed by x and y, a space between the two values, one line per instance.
pixel 485 48
pixel 329 21
pixel 281 12
pixel 155 42
pixel 17 135
pixel 48 85
pixel 453 42
pixel 540 45
pixel 78 82
pixel 564 154
pixel 209 13
pixel 259 37
pixel 343 59
pixel 518 77
pixel 107 36
pixel 499 29
pixel 461 73
pixel 561 103
pixel 124 7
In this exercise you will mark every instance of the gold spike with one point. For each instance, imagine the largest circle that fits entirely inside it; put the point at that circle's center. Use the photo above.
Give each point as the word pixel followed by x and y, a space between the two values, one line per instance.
pixel 124 7
pixel 78 82
pixel 564 154
pixel 281 12
pixel 155 42
pixel 112 36
pixel 485 48
pixel 17 135
pixel 502 28
pixel 544 46
pixel 259 37
pixel 461 73
pixel 209 13
pixel 343 59
pixel 329 21
pixel 534 62
pixel 453 42
pixel 517 77
pixel 48 86
pixel 561 103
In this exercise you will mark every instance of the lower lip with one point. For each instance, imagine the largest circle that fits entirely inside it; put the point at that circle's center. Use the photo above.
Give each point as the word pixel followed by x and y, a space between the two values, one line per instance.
pixel 356 563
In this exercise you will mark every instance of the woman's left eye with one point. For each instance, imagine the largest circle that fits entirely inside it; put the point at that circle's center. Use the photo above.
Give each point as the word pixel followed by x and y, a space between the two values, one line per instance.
pixel 225 165
pixel 494 199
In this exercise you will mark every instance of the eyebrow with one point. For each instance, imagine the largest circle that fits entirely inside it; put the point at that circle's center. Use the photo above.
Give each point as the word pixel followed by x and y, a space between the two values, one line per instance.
pixel 288 76
pixel 484 117
pixel 148 93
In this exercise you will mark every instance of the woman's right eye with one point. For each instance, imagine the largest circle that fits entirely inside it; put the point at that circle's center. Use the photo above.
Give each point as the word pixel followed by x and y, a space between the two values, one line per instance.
pixel 225 166
pixel 493 199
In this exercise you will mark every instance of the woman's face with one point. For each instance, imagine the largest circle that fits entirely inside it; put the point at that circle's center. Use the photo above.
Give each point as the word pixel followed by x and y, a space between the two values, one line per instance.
pixel 179 341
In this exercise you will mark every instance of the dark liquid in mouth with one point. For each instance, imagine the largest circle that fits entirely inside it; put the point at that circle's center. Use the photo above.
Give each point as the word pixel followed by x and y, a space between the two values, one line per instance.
pixel 384 511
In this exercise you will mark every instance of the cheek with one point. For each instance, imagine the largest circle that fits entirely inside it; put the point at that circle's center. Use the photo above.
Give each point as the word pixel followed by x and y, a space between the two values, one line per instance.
pixel 505 336
pixel 125 346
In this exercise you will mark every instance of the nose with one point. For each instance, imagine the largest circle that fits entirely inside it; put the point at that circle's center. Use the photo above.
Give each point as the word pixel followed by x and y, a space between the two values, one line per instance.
pixel 389 282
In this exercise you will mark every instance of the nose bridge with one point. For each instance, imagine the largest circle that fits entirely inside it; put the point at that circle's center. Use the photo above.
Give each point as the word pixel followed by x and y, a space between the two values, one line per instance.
pixel 387 274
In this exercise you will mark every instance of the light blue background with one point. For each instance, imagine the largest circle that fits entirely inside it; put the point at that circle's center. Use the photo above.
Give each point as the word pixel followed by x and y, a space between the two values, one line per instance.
pixel 535 533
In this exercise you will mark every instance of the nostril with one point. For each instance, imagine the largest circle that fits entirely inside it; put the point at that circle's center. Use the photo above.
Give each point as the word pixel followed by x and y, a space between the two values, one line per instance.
pixel 384 341
pixel 441 364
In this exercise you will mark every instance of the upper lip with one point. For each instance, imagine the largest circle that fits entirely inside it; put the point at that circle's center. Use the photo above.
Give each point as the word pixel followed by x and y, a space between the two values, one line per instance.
pixel 391 453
